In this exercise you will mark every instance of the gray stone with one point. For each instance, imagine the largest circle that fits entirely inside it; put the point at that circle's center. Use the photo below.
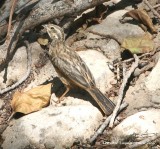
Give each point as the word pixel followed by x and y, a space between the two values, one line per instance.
pixel 112 50
pixel 112 26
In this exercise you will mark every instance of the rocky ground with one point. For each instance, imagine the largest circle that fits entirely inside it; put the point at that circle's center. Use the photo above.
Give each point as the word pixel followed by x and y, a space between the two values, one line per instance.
pixel 72 122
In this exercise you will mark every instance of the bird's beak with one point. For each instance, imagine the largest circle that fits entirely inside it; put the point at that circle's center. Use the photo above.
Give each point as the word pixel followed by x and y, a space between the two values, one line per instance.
pixel 45 26
pixel 45 30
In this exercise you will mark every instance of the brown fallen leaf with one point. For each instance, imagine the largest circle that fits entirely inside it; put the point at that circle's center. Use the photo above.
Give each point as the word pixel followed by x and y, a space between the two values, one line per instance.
pixel 32 100
pixel 137 45
pixel 141 16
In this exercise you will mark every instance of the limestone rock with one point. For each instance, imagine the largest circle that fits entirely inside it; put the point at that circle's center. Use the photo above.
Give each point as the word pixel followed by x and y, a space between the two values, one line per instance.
pixel 142 123
pixel 153 82
pixel 97 63
pixel 52 127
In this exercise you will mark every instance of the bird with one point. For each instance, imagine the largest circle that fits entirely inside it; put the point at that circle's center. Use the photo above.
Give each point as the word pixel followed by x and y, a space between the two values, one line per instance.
pixel 72 70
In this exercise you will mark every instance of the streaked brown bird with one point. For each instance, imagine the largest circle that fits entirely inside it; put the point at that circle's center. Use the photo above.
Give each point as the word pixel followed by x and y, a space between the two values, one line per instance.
pixel 72 70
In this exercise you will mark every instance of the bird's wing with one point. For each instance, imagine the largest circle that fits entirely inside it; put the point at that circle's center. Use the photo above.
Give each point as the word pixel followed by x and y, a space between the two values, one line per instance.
pixel 70 64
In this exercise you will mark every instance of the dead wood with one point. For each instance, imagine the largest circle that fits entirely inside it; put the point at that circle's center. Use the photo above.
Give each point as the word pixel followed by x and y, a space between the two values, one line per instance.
pixel 121 91
pixel 44 10
pixel 105 124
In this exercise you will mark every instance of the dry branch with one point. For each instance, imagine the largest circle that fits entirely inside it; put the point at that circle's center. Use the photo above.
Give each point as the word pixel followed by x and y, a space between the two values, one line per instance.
pixel 7 7
pixel 10 17
pixel 105 124
pixel 145 141
pixel 46 10
pixel 121 91
pixel 152 9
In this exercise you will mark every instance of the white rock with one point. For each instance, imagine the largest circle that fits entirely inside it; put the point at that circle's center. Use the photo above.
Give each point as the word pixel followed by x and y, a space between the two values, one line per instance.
pixel 45 73
pixel 18 67
pixel 54 127
pixel 153 81
pixel 141 123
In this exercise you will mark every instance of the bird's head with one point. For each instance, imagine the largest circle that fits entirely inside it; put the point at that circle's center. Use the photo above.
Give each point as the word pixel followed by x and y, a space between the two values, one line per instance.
pixel 54 32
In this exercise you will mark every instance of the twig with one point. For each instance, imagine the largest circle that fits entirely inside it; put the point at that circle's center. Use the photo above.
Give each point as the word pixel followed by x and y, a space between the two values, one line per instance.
pixel 121 91
pixel 124 69
pixel 28 50
pixel 137 72
pixel 131 59
pixel 105 124
pixel 152 9
pixel 7 7
pixel 11 116
pixel 145 54
pixel 145 141
pixel 156 6
pixel 118 72
pixel 10 17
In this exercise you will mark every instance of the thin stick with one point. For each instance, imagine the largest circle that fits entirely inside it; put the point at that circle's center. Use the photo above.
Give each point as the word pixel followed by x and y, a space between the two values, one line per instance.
pixel 121 91
pixel 157 49
pixel 137 72
pixel 105 124
pixel 124 69
pixel 145 141
pixel 152 9
pixel 156 6
pixel 131 59
pixel 28 50
pixel 10 17
pixel 11 116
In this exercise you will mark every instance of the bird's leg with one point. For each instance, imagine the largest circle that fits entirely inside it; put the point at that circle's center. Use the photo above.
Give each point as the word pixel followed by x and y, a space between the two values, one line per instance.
pixel 61 98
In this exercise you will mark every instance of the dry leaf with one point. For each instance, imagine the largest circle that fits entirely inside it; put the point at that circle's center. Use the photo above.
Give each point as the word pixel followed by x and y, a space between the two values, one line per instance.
pixel 138 45
pixel 141 16
pixel 43 41
pixel 32 100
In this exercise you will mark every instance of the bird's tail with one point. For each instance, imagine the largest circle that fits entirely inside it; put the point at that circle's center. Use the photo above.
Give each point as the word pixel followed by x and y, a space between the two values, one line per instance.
pixel 104 103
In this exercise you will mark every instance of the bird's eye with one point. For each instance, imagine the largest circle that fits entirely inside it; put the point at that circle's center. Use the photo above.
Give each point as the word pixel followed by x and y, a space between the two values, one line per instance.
pixel 52 28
